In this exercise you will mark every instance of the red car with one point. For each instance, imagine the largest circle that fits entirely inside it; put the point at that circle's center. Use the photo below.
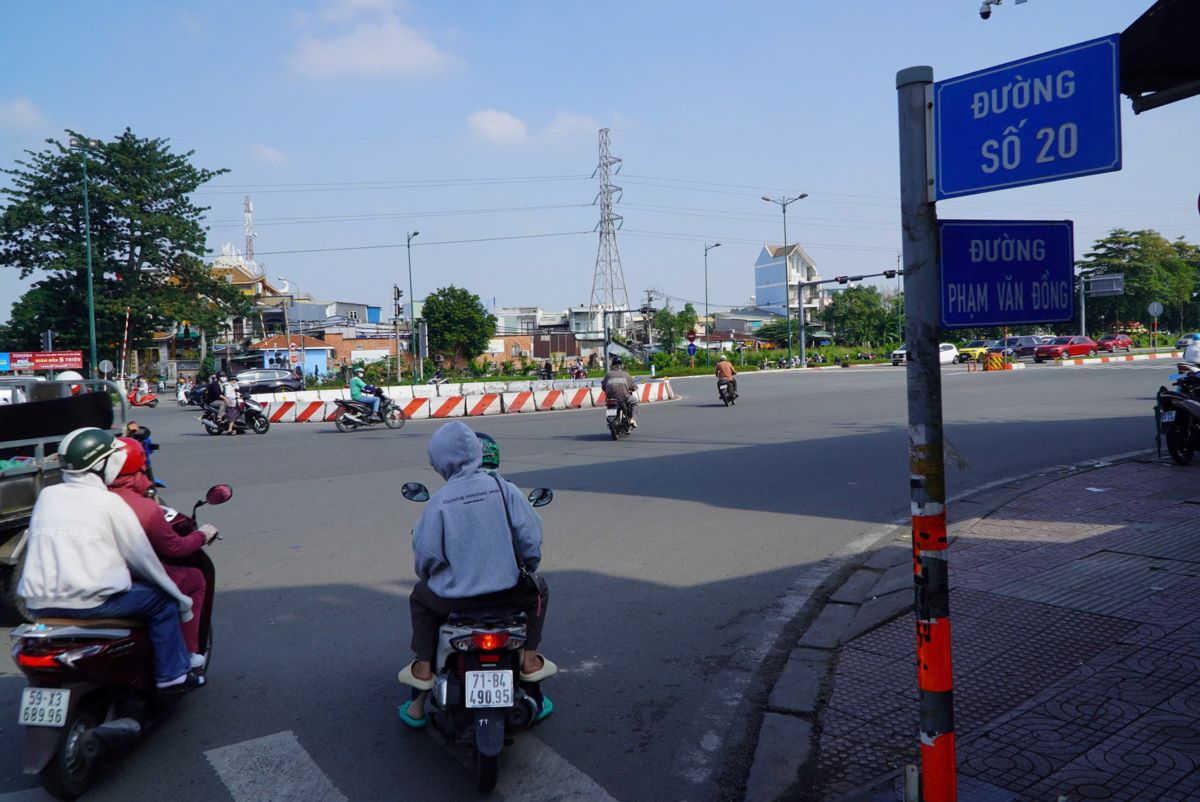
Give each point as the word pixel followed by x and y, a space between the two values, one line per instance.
pixel 1115 342
pixel 1064 348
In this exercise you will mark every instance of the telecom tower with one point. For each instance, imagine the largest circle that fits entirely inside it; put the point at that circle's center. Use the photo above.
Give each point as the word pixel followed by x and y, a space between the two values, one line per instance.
pixel 251 234
pixel 608 283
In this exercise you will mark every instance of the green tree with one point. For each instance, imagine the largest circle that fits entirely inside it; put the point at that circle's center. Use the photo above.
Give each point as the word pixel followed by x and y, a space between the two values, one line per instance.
pixel 147 242
pixel 1154 270
pixel 777 332
pixel 671 327
pixel 858 316
pixel 458 324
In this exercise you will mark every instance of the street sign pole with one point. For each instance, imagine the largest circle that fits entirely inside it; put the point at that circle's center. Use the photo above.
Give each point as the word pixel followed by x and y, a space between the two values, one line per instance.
pixel 922 307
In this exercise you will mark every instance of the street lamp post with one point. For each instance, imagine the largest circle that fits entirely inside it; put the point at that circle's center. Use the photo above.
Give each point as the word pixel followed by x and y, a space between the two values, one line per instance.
pixel 412 318
pixel 87 233
pixel 784 202
pixel 707 322
pixel 287 323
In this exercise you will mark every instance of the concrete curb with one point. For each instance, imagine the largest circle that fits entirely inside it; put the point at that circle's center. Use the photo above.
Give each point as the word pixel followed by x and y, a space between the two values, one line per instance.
pixel 1108 360
pixel 878 588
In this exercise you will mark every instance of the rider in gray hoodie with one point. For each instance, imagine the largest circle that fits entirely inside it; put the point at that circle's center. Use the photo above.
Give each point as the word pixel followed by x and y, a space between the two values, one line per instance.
pixel 464 555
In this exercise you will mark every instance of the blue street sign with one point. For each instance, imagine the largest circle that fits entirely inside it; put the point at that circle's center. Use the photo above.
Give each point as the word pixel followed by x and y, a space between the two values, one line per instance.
pixel 691 349
pixel 1044 118
pixel 4 363
pixel 1006 272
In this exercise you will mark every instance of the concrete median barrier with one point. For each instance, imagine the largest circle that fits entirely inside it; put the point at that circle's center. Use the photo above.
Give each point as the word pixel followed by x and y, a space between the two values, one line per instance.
pixel 519 402
pixel 416 408
pixel 484 404
pixel 578 397
pixel 451 407
pixel 549 400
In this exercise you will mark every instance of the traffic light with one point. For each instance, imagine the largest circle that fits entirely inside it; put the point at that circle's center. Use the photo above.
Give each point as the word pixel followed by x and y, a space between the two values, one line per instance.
pixel 47 340
pixel 892 273
pixel 842 279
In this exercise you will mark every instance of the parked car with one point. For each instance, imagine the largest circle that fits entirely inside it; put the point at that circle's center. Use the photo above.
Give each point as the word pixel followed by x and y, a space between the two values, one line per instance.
pixel 947 354
pixel 1115 342
pixel 269 381
pixel 1016 347
pixel 1186 340
pixel 1065 347
pixel 974 350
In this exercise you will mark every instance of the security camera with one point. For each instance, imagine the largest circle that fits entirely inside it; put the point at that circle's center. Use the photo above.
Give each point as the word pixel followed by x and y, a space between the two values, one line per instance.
pixel 985 10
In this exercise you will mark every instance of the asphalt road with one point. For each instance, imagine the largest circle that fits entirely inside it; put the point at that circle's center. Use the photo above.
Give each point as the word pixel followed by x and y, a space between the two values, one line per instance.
pixel 676 558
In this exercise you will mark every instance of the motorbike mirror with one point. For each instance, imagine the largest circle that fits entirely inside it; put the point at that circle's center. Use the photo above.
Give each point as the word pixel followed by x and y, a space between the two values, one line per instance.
pixel 415 491
pixel 218 494
pixel 541 496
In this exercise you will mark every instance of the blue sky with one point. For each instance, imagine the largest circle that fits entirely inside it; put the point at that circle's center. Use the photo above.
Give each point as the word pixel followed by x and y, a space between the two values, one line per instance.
pixel 350 122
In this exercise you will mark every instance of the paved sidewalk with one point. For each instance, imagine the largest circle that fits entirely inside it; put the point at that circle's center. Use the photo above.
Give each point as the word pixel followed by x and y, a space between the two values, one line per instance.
pixel 1075 613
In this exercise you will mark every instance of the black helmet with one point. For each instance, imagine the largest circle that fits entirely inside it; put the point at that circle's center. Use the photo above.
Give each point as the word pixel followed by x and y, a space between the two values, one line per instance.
pixel 491 450
pixel 616 361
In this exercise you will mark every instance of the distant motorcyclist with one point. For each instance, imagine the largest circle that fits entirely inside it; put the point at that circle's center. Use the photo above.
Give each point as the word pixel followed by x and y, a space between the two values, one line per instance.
pixel 1192 353
pixel 726 372
pixel 360 392
pixel 618 384
pixel 214 396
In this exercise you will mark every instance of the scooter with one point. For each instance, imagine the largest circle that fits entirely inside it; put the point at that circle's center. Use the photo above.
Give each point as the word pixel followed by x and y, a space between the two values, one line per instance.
pixel 353 414
pixel 726 392
pixel 147 399
pixel 91 686
pixel 478 698
pixel 616 415
pixel 250 415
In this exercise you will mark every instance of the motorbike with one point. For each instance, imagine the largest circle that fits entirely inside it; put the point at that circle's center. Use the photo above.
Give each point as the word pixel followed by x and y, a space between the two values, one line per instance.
pixel 136 399
pixel 353 414
pixel 726 392
pixel 1177 413
pixel 616 415
pixel 91 690
pixel 478 699
pixel 250 415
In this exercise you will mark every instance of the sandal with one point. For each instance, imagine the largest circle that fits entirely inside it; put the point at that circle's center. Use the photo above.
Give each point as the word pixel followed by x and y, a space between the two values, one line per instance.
pixel 415 723
pixel 547 670
pixel 406 678
pixel 547 709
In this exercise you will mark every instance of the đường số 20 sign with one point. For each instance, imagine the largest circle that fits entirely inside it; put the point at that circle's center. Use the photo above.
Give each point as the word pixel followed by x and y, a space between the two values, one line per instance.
pixel 1006 272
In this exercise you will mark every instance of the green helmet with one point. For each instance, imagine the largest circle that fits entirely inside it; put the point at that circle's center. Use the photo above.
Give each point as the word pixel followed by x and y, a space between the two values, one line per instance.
pixel 491 450
pixel 84 449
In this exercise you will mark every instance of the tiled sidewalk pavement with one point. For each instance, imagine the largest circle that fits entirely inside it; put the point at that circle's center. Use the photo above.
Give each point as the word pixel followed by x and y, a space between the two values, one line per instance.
pixel 1075 616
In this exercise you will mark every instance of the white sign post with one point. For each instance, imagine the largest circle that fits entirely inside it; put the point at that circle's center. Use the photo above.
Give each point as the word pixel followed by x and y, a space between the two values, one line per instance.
pixel 1155 309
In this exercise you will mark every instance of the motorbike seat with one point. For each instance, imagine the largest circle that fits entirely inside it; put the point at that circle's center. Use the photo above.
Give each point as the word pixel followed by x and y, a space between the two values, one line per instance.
pixel 92 623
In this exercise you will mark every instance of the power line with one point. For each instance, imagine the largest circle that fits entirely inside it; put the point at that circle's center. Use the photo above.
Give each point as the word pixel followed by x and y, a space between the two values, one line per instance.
pixel 350 186
pixel 371 217
pixel 421 244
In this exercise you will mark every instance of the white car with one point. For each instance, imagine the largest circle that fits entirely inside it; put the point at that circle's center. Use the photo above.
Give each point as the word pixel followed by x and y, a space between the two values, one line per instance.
pixel 947 354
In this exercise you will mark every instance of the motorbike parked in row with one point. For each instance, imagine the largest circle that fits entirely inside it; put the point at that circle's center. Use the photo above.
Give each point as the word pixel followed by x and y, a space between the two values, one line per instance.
pixel 478 699
pixel 1177 413
pixel 246 414
pixel 91 689
pixel 726 392
pixel 617 416
pixel 353 414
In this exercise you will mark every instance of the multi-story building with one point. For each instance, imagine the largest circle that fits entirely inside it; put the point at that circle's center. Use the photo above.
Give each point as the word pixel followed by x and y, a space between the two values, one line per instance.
pixel 771 287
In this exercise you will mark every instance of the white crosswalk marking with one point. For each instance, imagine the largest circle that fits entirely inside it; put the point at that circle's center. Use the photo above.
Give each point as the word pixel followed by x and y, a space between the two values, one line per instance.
pixel 531 770
pixel 274 768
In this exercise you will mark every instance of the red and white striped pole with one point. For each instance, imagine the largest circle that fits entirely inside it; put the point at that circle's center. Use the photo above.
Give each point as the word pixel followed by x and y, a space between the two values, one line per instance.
pixel 125 342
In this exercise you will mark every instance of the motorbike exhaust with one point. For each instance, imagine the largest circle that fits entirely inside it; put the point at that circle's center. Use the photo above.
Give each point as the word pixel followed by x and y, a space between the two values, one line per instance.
pixel 111 736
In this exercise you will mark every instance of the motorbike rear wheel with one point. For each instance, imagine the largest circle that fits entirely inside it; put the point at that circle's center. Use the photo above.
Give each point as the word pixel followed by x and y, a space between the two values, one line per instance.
pixel 213 430
pixel 342 424
pixel 486 772
pixel 71 771
pixel 260 424
pixel 153 403
pixel 393 417
pixel 1179 446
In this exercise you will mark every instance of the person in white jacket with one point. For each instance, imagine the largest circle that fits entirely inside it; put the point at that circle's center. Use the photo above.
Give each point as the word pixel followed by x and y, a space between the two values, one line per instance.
pixel 83 543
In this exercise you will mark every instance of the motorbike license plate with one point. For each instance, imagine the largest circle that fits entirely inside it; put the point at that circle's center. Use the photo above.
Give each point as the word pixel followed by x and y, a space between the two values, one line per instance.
pixel 489 689
pixel 44 707
pixel 611 412
pixel 1168 416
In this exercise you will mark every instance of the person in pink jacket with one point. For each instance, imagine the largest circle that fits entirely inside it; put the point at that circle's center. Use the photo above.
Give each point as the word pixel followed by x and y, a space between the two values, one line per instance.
pixel 131 485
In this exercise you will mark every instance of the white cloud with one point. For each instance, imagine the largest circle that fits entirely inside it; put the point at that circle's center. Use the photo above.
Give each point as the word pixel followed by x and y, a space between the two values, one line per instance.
pixel 566 123
pixel 497 126
pixel 377 44
pixel 268 154
pixel 20 114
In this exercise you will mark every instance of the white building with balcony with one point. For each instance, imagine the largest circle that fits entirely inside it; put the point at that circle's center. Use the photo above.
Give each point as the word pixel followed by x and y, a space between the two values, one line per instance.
pixel 769 282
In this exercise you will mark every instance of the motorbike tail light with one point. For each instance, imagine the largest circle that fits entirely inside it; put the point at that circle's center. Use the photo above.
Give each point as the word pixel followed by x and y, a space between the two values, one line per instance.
pixel 37 660
pixel 489 641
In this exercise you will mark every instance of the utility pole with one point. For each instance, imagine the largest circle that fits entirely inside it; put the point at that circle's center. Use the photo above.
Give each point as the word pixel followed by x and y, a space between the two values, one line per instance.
pixel 707 322
pixel 783 203
pixel 608 280
pixel 412 319
pixel 927 486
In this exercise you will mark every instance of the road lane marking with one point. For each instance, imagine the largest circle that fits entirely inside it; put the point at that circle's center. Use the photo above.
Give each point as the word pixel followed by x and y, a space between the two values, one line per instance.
pixel 28 795
pixel 529 769
pixel 274 768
